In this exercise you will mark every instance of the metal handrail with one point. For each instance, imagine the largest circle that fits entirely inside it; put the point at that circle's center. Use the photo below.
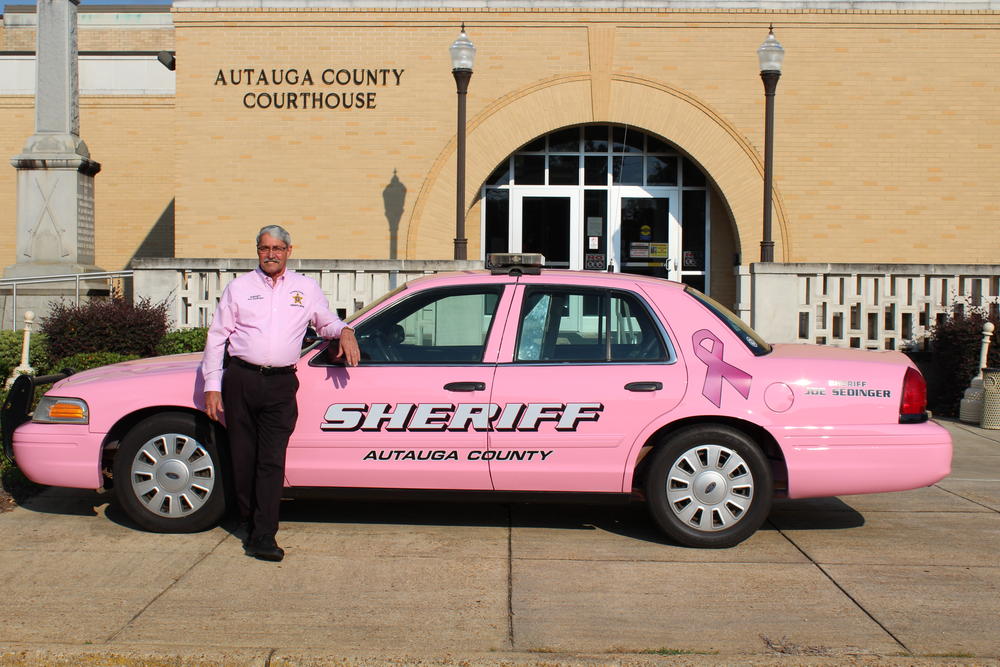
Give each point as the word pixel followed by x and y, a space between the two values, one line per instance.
pixel 77 278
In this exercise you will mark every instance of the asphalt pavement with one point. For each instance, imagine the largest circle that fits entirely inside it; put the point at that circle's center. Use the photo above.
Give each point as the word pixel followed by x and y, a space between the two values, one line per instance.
pixel 900 578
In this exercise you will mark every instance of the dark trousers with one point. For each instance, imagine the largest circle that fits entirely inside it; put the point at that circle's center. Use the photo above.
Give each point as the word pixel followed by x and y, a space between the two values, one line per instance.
pixel 260 413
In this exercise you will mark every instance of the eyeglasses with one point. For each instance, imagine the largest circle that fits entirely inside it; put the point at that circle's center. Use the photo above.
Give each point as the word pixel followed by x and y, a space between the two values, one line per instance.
pixel 272 248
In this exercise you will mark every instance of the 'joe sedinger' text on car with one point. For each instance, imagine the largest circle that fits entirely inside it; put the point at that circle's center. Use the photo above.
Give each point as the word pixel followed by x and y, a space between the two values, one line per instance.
pixel 522 381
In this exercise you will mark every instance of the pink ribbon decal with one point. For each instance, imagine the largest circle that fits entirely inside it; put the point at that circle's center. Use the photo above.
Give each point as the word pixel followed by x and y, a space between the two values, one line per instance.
pixel 718 369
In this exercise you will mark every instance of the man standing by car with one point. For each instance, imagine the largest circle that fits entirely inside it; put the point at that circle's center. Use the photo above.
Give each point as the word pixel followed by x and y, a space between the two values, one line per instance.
pixel 263 316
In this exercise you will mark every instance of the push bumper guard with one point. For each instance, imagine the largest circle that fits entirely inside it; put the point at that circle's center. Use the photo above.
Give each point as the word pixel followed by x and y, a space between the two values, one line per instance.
pixel 18 401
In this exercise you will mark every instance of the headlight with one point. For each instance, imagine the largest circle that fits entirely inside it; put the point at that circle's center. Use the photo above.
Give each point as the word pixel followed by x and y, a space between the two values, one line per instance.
pixel 56 410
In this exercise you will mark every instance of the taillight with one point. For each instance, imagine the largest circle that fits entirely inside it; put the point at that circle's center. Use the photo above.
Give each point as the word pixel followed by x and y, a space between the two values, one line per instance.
pixel 913 404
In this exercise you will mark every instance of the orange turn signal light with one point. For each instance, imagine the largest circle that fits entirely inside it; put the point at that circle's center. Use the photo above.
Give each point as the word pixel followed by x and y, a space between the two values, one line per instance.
pixel 66 411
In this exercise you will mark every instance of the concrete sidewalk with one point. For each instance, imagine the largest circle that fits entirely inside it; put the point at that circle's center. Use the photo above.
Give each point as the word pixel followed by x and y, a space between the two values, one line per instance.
pixel 900 578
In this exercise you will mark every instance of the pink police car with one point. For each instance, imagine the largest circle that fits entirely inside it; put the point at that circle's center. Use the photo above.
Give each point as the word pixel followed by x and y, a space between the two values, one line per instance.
pixel 518 381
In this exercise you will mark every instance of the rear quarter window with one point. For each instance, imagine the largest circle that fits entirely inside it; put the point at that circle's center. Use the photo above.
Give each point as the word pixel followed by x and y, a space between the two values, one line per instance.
pixel 750 338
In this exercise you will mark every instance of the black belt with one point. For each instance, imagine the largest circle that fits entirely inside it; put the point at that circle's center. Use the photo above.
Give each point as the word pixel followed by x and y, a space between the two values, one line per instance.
pixel 264 370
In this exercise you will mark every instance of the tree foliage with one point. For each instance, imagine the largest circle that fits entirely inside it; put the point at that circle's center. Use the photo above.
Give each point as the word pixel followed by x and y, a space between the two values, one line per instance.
pixel 955 345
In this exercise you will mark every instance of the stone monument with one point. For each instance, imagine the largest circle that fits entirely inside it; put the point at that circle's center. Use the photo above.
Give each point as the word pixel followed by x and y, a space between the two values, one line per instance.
pixel 55 174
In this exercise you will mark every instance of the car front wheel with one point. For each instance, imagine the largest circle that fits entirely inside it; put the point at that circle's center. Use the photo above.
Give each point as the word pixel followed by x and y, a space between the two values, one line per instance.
pixel 168 474
pixel 709 486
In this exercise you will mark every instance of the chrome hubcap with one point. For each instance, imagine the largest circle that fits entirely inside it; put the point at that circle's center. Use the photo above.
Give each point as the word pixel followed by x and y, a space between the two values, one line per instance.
pixel 173 475
pixel 710 488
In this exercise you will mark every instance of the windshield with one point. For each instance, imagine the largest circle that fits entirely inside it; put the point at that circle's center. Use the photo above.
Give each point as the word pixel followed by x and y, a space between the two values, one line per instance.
pixel 750 338
pixel 388 295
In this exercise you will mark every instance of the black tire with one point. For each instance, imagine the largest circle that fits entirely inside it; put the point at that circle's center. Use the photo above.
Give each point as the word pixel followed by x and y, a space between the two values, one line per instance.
pixel 169 475
pixel 709 486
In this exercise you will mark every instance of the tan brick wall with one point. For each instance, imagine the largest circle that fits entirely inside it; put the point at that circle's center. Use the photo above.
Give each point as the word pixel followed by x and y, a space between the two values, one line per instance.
pixel 96 39
pixel 319 171
pixel 722 279
pixel 18 114
pixel 133 139
pixel 884 135
pixel 884 147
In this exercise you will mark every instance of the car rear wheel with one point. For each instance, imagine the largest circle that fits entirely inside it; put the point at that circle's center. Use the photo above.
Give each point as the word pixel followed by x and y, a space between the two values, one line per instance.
pixel 169 474
pixel 709 486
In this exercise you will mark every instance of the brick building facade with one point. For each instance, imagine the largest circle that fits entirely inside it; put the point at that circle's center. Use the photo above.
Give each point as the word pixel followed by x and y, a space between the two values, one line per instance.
pixel 338 122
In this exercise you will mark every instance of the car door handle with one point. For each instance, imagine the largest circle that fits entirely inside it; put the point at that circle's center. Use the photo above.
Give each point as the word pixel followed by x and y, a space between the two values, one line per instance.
pixel 465 386
pixel 644 386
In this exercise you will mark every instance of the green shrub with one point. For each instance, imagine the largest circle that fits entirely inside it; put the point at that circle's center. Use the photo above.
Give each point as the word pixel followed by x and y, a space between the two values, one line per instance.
pixel 10 352
pixel 108 324
pixel 955 343
pixel 82 361
pixel 13 481
pixel 39 357
pixel 183 341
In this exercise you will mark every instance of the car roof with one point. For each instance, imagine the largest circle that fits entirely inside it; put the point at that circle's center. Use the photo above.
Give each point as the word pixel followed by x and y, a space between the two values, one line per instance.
pixel 594 278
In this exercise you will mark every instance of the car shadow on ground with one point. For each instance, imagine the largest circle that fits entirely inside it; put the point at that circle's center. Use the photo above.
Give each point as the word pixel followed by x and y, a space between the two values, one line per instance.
pixel 628 519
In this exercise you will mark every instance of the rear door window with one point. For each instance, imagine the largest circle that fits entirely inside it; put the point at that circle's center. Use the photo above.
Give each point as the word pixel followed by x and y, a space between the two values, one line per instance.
pixel 587 325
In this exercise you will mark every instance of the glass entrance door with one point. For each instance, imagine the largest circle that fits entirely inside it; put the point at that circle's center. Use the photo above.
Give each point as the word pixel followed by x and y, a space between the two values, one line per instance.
pixel 648 234
pixel 548 224
pixel 601 198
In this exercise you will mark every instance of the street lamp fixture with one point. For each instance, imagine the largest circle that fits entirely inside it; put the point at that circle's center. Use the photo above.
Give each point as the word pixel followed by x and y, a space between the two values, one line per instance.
pixel 771 56
pixel 463 54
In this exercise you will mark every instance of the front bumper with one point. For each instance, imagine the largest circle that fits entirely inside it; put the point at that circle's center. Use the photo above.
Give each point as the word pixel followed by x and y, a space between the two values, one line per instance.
pixel 59 454
pixel 17 404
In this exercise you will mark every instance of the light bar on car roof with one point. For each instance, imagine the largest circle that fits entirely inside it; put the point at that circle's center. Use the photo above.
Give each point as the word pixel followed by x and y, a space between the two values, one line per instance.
pixel 515 263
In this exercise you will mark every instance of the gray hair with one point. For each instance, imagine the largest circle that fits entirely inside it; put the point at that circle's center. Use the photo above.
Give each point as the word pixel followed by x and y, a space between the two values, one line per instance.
pixel 277 232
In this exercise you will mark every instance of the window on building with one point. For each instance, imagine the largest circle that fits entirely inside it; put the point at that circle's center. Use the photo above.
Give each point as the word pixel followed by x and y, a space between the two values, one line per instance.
pixel 570 195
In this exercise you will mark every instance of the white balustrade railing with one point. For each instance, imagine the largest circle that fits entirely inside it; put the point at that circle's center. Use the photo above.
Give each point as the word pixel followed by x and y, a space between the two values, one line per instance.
pixel 192 287
pixel 45 289
pixel 872 306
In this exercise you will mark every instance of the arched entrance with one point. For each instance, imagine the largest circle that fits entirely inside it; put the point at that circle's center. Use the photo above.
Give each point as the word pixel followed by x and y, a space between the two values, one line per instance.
pixel 703 135
pixel 602 197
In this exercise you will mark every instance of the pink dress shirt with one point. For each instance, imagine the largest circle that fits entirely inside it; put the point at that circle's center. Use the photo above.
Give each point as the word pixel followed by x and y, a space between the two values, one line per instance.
pixel 264 321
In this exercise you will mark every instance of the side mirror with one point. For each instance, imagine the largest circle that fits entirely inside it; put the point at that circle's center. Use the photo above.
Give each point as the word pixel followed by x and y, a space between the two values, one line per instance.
pixel 309 337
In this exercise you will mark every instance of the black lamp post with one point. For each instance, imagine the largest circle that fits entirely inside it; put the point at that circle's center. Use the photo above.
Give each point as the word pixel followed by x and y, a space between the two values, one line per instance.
pixel 771 56
pixel 463 53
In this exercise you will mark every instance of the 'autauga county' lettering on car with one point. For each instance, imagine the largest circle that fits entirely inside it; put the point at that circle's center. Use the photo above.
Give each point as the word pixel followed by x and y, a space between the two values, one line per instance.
pixel 461 417
pixel 452 455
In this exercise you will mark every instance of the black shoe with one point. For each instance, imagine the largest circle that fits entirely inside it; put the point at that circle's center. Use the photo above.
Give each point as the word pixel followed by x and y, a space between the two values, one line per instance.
pixel 243 531
pixel 264 548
